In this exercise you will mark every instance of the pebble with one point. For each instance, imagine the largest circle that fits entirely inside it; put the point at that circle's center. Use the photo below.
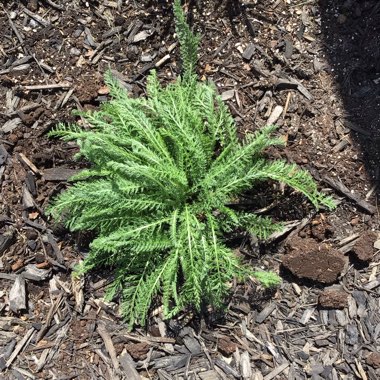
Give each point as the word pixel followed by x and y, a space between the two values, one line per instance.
pixel 75 51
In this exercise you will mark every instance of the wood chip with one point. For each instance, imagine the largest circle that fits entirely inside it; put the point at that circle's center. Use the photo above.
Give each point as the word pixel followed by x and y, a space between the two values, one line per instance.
pixel 32 272
pixel 275 115
pixel 271 375
pixel 58 174
pixel 10 125
pixel 56 249
pixel 3 155
pixel 141 36
pixel 17 295
pixel 6 240
pixel 27 199
pixel 209 375
pixel 162 61
pixel 245 365
pixel 52 86
pixel 248 52
pixel 227 368
pixel 77 285
pixel 128 366
pixel 21 344
pixel 260 318
pixel 306 316
pixel 102 331
pixel 226 95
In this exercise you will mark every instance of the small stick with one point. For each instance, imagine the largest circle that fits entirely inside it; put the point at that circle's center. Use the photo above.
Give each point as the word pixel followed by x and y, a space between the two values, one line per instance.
pixel 56 6
pixel 29 163
pixel 162 60
pixel 36 17
pixel 287 104
pixel 52 86
pixel 16 32
pixel 339 186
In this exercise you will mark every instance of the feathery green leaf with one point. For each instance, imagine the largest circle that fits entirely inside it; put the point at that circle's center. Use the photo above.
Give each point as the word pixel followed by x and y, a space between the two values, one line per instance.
pixel 165 169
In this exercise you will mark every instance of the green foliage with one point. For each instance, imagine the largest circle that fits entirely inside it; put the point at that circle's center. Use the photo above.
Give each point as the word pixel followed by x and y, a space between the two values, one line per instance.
pixel 164 169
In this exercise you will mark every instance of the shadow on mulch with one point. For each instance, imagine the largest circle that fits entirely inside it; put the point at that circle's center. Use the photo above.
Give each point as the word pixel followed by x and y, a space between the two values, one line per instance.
pixel 351 31
pixel 287 276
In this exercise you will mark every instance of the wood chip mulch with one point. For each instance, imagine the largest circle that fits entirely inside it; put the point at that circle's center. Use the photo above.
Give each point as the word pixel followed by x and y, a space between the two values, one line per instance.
pixel 311 67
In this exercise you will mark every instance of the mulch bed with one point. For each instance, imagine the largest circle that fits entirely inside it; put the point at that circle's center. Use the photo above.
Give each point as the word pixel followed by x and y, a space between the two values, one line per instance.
pixel 310 67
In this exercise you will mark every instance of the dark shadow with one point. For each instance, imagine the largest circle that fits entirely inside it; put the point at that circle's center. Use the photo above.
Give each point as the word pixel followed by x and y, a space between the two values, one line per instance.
pixel 351 33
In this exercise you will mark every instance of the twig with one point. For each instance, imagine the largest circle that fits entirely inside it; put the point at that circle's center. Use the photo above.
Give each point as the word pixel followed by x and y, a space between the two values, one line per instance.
pixel 149 339
pixel 337 185
pixel 56 6
pixel 29 164
pixel 52 86
pixel 36 17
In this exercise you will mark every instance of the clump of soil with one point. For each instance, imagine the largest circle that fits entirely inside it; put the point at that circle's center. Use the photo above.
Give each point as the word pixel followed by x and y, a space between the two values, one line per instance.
pixel 373 359
pixel 363 249
pixel 312 261
pixel 333 299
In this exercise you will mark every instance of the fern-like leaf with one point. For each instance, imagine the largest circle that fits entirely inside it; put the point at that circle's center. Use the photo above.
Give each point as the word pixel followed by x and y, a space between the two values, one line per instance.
pixel 164 170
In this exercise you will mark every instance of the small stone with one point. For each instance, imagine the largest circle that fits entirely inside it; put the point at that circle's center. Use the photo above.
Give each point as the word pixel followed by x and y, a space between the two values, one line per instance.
pixel 33 23
pixel 226 346
pixel 373 359
pixel 13 138
pixel 104 90
pixel 31 234
pixel 75 51
pixel 333 299
pixel 363 248
pixel 77 33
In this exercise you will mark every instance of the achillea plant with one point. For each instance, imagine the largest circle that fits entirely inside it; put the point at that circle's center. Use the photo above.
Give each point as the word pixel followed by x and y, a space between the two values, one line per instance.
pixel 164 169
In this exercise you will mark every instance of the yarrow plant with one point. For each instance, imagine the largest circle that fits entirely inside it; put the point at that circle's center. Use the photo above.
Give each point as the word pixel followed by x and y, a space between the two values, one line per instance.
pixel 164 170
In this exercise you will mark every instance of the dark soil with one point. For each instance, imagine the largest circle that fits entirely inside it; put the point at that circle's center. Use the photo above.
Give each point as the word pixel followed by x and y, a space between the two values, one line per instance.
pixel 316 262
pixel 319 61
